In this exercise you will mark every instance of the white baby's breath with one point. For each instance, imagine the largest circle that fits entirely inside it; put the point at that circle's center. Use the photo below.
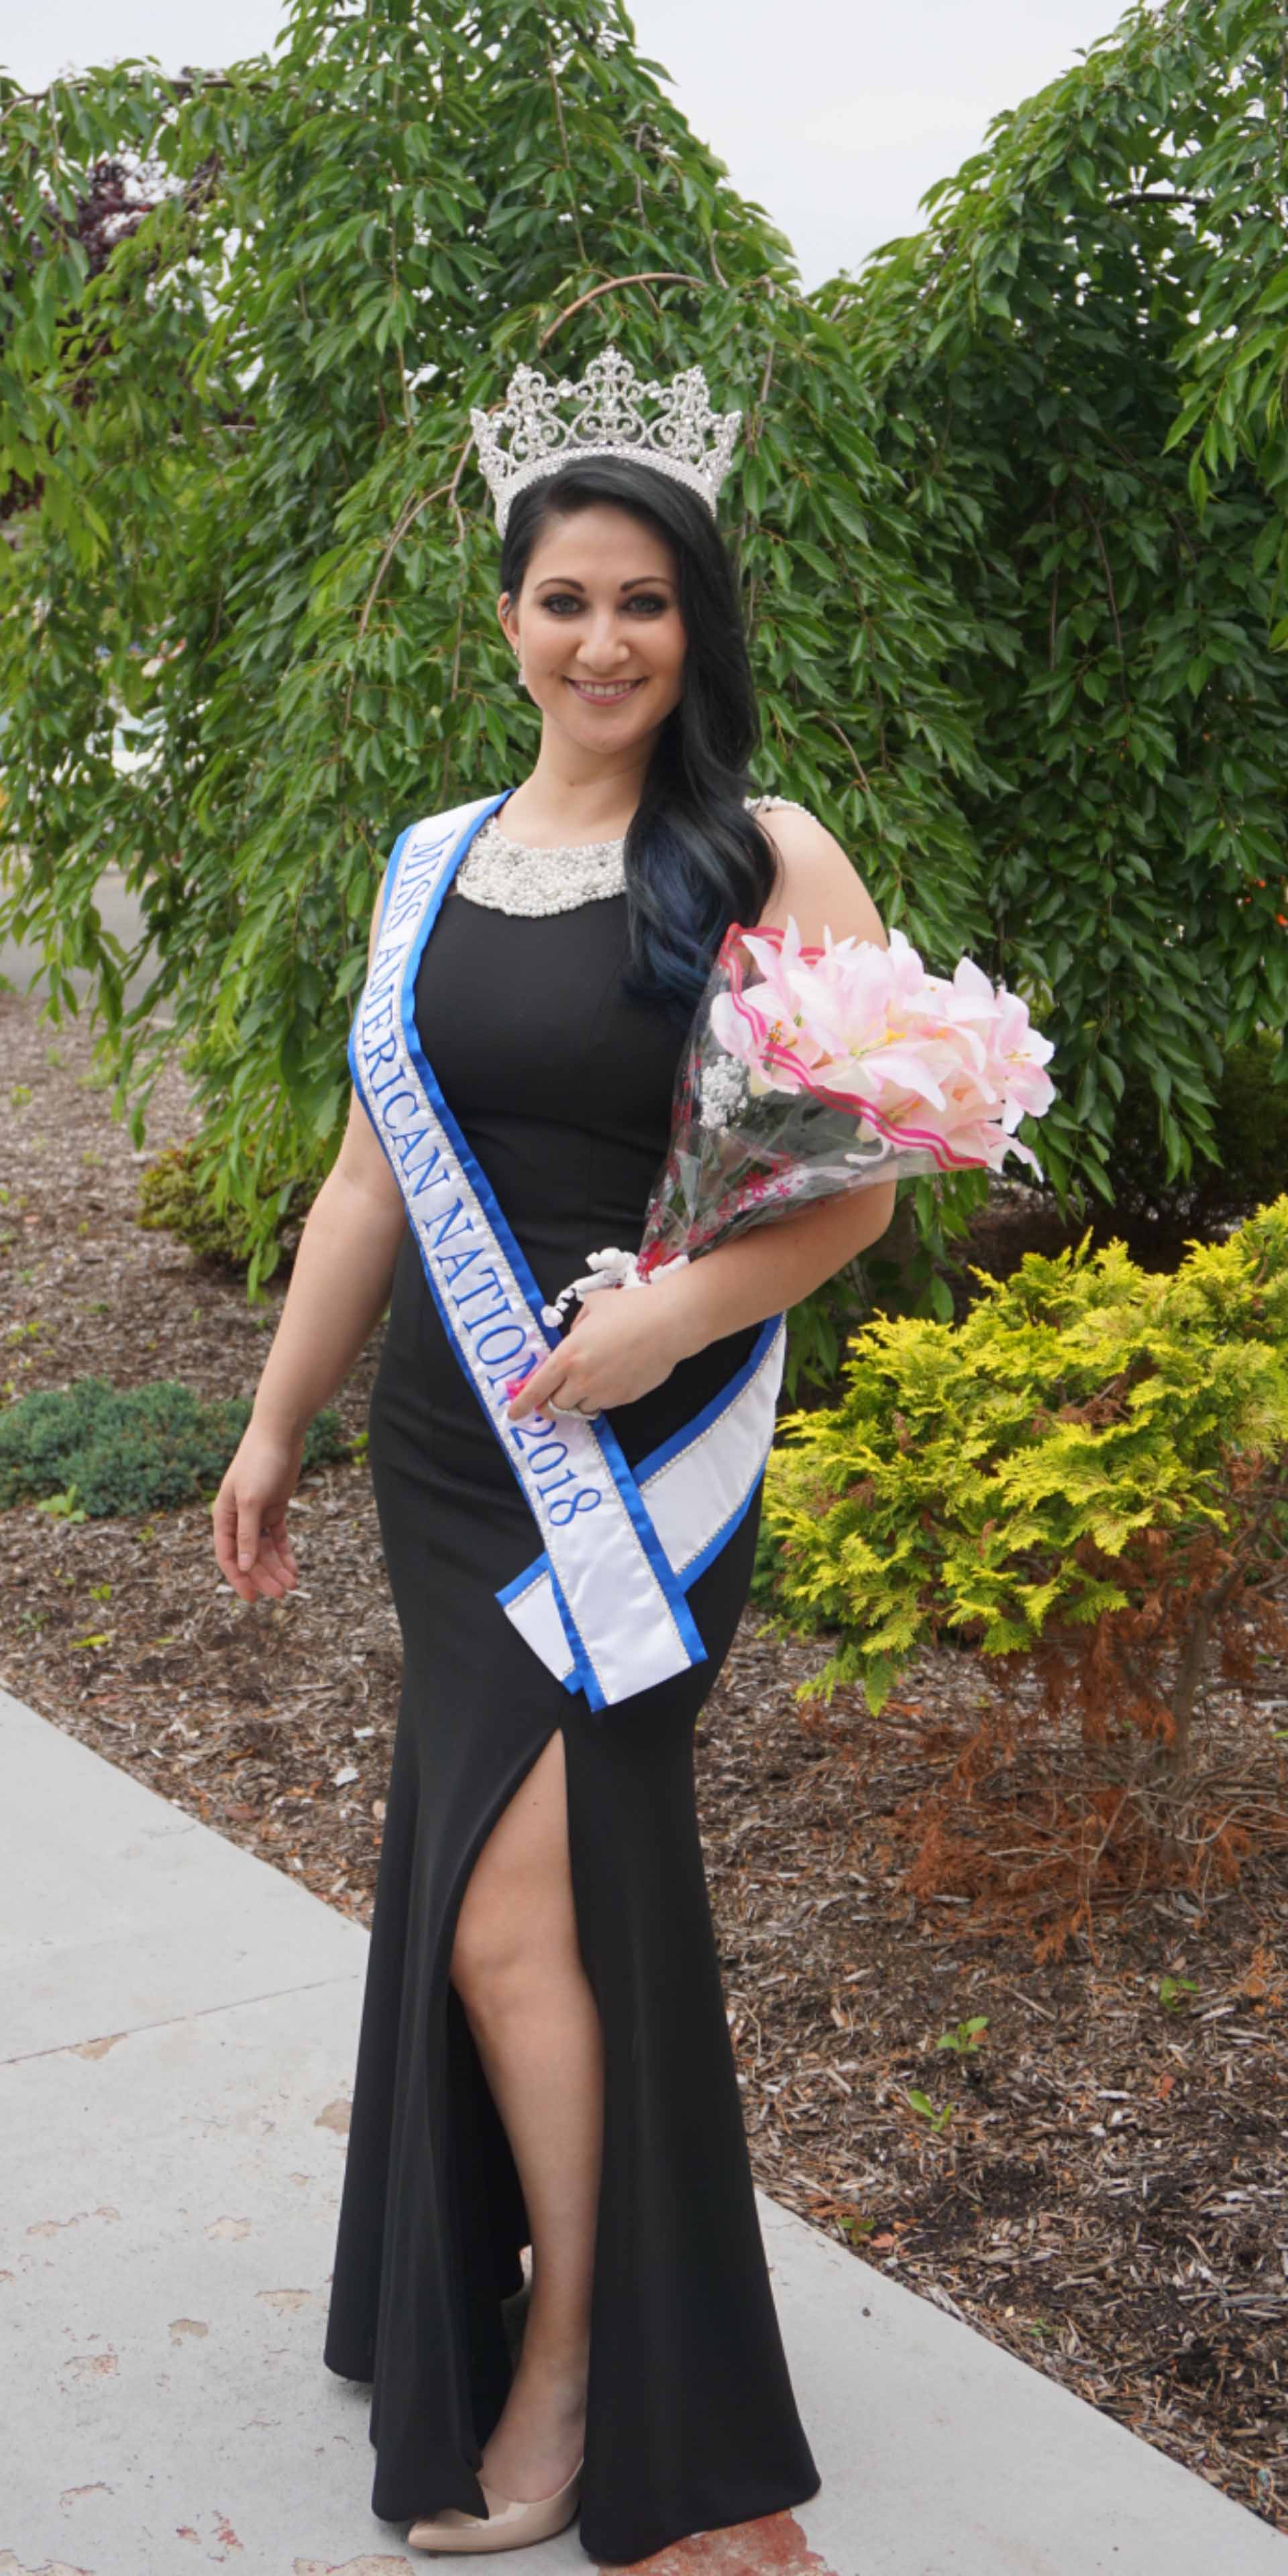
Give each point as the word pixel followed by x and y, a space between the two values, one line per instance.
pixel 723 1092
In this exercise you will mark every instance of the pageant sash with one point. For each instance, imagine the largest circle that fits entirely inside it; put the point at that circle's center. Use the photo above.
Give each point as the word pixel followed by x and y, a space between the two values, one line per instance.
pixel 695 1488
pixel 604 1604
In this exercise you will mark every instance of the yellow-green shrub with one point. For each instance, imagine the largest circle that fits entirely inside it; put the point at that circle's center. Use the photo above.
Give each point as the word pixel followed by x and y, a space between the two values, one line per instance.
pixel 1064 1464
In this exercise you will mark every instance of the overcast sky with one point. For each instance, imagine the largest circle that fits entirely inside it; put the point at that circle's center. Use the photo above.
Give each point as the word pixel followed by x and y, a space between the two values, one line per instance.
pixel 834 114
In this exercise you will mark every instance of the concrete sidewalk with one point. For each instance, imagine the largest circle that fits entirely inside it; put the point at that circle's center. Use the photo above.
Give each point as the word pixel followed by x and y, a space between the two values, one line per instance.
pixel 179 2032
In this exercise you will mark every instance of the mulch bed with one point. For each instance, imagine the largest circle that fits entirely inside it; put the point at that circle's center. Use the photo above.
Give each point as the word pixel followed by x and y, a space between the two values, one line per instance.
pixel 1107 2197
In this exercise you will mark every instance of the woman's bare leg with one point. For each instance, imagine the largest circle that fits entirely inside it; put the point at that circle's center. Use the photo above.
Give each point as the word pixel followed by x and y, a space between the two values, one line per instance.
pixel 517 1967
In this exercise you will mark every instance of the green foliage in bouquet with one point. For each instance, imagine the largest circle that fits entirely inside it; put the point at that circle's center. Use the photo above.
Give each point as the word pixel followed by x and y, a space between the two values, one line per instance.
pixel 131 1449
pixel 1093 1463
pixel 1008 509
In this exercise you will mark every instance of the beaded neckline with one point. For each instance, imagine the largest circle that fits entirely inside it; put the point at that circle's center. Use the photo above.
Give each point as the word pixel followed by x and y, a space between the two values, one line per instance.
pixel 506 876
pixel 561 850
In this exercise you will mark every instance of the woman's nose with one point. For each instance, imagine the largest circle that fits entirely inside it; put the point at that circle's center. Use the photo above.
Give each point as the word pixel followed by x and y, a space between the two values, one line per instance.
pixel 602 646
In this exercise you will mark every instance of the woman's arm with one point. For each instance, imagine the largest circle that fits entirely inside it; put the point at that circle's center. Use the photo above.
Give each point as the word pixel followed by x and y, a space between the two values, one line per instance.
pixel 622 1344
pixel 769 1268
pixel 772 1267
pixel 339 1286
pixel 339 1289
pixel 341 1278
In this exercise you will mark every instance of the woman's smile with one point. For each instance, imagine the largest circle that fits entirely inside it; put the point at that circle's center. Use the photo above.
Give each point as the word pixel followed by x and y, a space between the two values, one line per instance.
pixel 604 692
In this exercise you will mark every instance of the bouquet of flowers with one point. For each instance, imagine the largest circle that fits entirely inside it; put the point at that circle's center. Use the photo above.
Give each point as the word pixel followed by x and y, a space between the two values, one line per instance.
pixel 832 1068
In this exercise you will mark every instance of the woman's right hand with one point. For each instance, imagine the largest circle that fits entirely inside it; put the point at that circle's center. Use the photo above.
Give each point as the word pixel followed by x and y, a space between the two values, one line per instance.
pixel 249 1514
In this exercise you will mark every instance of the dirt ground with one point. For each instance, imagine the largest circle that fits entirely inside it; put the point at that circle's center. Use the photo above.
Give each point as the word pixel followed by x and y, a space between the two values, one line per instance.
pixel 1106 2197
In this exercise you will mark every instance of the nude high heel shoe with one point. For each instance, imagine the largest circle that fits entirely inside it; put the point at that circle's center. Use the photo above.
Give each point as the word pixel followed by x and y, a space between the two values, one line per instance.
pixel 512 2522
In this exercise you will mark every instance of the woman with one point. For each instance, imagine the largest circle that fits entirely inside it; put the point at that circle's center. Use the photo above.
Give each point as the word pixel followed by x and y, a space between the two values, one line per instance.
pixel 544 2056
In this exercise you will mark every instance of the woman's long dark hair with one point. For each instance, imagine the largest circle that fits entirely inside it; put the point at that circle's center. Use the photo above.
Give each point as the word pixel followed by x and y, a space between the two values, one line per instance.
pixel 695 857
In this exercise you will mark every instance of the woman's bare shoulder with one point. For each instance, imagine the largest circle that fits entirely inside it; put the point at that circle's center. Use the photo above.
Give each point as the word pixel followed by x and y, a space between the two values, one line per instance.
pixel 818 883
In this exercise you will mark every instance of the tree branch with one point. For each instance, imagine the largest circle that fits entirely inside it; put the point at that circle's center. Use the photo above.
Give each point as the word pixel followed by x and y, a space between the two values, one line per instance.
pixel 641 277
pixel 405 520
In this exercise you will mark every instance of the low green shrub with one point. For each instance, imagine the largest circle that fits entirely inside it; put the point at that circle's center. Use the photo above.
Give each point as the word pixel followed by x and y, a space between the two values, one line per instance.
pixel 131 1449
pixel 1095 1458
pixel 180 1193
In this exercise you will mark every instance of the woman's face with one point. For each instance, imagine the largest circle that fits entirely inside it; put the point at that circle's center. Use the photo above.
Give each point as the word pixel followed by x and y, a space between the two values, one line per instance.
pixel 598 629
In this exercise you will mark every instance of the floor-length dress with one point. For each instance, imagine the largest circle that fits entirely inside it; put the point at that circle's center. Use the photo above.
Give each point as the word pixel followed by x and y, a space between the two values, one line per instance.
pixel 562 1085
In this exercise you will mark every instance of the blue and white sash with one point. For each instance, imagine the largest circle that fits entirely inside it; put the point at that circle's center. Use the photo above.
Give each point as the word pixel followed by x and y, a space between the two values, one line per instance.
pixel 605 1604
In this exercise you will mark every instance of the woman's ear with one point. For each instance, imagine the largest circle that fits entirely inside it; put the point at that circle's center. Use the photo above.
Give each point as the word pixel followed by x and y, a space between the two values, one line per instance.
pixel 506 614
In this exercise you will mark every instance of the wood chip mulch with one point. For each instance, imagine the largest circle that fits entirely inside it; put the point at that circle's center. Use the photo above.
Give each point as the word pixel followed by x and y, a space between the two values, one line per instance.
pixel 1107 2195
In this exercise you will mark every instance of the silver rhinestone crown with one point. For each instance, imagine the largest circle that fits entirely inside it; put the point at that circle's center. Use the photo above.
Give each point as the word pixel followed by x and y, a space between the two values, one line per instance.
pixel 681 436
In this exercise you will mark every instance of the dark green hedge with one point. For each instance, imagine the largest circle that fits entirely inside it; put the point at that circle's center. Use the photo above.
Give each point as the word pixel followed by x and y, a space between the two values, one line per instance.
pixel 131 1449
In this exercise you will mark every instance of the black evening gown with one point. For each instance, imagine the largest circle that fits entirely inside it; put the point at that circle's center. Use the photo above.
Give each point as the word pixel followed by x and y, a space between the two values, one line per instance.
pixel 562 1084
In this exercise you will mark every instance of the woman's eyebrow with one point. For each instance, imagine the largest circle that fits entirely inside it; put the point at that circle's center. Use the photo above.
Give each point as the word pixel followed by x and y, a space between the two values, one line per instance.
pixel 569 581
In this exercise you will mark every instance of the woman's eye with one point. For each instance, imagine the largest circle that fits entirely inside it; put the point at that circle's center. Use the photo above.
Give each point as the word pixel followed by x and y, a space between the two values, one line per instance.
pixel 559 600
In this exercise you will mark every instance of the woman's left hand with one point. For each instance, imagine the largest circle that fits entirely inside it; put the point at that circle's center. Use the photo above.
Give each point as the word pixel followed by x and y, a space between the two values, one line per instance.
pixel 621 1345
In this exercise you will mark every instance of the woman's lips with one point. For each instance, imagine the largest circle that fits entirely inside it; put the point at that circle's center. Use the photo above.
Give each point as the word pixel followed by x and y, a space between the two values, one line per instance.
pixel 611 695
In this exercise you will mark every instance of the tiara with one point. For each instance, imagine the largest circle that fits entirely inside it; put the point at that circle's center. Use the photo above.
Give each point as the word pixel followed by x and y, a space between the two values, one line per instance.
pixel 683 437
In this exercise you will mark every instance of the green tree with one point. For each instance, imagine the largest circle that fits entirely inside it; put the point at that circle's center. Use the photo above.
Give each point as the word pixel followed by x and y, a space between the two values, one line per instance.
pixel 273 480
pixel 1007 646
pixel 1077 370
